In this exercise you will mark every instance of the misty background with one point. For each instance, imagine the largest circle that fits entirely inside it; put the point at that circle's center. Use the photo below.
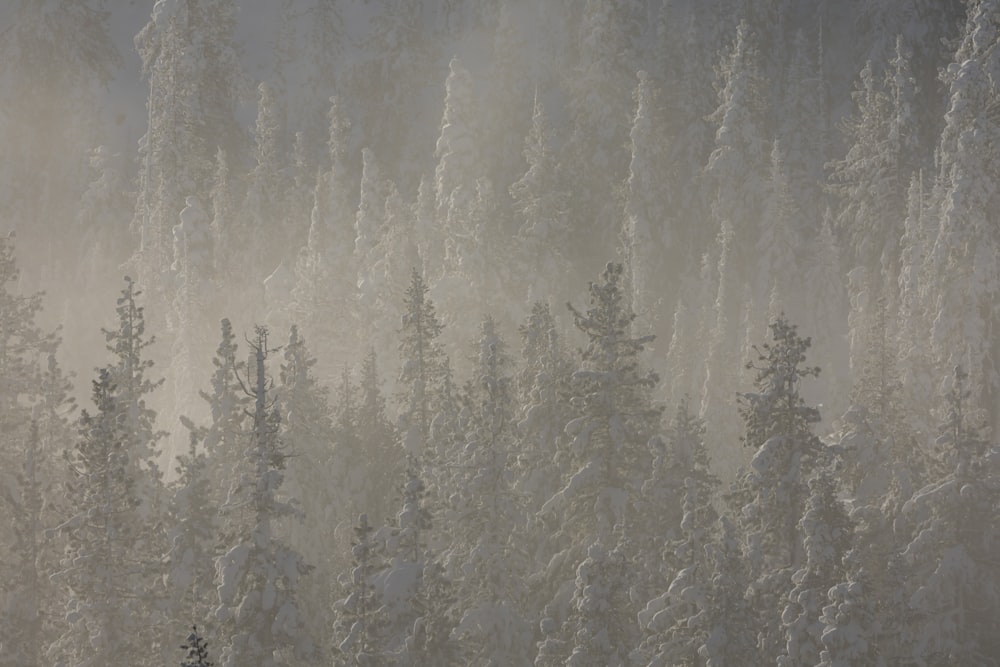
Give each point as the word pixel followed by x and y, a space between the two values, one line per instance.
pixel 287 353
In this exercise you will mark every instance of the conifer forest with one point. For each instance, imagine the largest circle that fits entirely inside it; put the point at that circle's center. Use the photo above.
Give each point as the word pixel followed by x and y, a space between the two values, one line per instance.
pixel 500 333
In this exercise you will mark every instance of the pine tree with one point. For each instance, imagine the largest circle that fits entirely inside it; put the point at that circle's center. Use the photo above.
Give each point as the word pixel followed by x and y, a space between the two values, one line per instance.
pixel 197 650
pixel 259 577
pixel 360 615
pixel 773 488
pixel 646 234
pixel 191 534
pixel 102 575
pixel 827 537
pixel 541 207
pixel 967 247
pixel 191 63
pixel 616 417
pixel 306 421
pixel 423 364
pixel 952 530
pixel 488 518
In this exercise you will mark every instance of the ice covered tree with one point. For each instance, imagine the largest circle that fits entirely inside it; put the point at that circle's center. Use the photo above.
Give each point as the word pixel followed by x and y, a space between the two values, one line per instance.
pixel 260 576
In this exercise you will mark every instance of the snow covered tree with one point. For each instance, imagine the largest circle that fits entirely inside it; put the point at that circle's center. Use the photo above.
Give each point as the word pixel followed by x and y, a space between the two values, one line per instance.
pixel 457 149
pixel 730 633
pixel 827 537
pixel 647 230
pixel 543 390
pixel 952 528
pixel 616 417
pixel 596 156
pixel 360 615
pixel 541 207
pixel 739 158
pixel 966 251
pixel 600 629
pixel 106 582
pixel 487 516
pixel 423 364
pixel 266 197
pixel 770 493
pixel 259 577
pixel 307 423
pixel 192 532
pixel 851 623
pixel 191 63
pixel 377 440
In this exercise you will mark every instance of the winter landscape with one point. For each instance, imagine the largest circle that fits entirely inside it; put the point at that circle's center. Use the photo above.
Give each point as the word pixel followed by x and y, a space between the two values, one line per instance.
pixel 499 333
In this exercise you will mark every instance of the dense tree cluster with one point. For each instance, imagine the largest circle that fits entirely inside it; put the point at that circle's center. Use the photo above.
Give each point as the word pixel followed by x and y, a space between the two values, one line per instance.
pixel 762 433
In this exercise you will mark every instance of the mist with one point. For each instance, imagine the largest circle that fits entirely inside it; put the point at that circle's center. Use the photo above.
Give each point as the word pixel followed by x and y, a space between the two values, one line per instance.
pixel 498 332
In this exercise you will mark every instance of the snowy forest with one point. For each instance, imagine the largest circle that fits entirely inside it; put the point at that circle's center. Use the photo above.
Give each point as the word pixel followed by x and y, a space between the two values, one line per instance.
pixel 500 333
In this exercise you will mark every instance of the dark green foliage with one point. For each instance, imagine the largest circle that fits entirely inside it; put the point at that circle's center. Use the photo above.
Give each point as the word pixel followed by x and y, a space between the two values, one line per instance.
pixel 197 650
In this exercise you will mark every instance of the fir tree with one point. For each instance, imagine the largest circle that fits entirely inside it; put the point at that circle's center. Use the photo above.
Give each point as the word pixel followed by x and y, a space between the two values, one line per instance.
pixel 197 650
pixel 259 577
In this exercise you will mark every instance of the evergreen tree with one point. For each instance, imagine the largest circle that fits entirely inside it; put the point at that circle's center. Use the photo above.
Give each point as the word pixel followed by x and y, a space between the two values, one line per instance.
pixel 423 364
pixel 306 421
pixel 541 207
pixel 259 577
pixel 191 63
pixel 827 537
pixel 646 234
pixel 616 417
pixel 197 650
pixel 772 490
pixel 966 251
pixel 489 516
pixel 952 530
pixel 360 618
pixel 105 581
pixel 192 533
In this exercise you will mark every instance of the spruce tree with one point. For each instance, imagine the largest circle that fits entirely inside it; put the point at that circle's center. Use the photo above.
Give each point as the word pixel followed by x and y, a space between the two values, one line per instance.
pixel 260 576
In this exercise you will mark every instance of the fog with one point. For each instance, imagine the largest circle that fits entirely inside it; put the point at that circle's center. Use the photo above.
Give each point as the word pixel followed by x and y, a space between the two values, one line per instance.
pixel 286 353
